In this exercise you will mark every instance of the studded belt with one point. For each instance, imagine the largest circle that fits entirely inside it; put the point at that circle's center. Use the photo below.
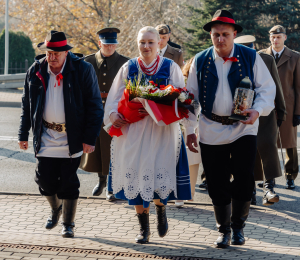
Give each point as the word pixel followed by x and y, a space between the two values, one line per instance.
pixel 56 127
pixel 224 120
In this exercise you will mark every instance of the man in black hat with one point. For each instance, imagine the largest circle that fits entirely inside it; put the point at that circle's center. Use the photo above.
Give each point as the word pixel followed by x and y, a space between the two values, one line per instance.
pixel 228 146
pixel 267 162
pixel 288 65
pixel 106 62
pixel 62 104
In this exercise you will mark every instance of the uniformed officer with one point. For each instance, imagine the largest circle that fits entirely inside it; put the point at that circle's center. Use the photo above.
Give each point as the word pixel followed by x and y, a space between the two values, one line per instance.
pixel 106 62
pixel 288 65
pixel 267 161
pixel 165 49
pixel 172 44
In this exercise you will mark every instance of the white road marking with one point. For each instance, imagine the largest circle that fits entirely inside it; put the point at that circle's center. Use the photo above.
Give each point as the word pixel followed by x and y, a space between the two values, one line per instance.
pixel 11 138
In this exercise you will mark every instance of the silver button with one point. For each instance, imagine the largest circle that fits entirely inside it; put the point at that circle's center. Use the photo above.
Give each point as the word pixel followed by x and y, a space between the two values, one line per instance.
pixel 240 65
pixel 104 65
pixel 104 74
pixel 204 86
pixel 241 75
pixel 104 83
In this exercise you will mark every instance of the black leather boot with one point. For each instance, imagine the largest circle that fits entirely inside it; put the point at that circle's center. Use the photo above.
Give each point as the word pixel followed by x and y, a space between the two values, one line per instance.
pixel 100 186
pixel 162 221
pixel 240 212
pixel 270 196
pixel 253 199
pixel 144 235
pixel 69 210
pixel 56 208
pixel 222 215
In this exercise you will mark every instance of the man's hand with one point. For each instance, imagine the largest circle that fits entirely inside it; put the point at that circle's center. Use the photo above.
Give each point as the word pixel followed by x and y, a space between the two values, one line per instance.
pixel 191 142
pixel 88 148
pixel 23 145
pixel 253 115
pixel 117 120
pixel 296 120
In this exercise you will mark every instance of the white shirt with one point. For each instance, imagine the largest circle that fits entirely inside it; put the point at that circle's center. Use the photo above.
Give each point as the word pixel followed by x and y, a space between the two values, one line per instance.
pixel 163 51
pixel 215 133
pixel 279 53
pixel 53 143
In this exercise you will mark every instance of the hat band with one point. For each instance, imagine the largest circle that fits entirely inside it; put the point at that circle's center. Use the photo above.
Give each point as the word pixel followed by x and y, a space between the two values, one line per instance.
pixel 56 44
pixel 223 19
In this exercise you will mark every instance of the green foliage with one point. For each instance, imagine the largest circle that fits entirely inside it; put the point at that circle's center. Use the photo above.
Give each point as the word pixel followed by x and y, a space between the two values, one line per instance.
pixel 20 47
pixel 256 17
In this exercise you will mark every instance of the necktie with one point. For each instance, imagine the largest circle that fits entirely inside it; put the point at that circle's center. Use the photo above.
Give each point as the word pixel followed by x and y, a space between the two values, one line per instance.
pixel 58 78
pixel 233 59
pixel 277 58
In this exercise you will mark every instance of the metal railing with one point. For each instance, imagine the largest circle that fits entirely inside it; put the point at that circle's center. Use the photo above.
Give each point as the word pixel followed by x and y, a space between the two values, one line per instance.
pixel 15 67
pixel 12 80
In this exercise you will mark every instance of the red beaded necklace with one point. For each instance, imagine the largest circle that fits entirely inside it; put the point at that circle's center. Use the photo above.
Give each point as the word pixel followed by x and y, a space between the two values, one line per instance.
pixel 151 70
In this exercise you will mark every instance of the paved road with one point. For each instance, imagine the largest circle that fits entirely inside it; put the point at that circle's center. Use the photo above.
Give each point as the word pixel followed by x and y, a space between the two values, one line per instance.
pixel 17 167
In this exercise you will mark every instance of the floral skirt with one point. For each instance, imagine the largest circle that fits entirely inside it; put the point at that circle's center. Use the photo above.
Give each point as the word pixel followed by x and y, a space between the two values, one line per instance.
pixel 182 183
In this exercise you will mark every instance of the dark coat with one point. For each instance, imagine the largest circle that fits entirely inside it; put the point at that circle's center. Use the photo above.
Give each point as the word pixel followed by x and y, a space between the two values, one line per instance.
pixel 267 161
pixel 175 55
pixel 82 102
pixel 174 45
pixel 106 70
pixel 289 73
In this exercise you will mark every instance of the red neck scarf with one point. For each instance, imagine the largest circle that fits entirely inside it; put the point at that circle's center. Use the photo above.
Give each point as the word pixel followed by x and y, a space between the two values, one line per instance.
pixel 233 59
pixel 58 78
pixel 151 70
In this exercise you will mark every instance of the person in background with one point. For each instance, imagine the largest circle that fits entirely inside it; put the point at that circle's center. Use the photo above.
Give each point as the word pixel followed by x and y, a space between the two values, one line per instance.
pixel 288 66
pixel 172 44
pixel 165 50
pixel 106 62
pixel 267 163
pixel 193 158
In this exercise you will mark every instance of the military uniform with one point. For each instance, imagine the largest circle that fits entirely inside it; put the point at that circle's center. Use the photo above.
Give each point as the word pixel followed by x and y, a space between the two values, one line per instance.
pixel 106 69
pixel 288 66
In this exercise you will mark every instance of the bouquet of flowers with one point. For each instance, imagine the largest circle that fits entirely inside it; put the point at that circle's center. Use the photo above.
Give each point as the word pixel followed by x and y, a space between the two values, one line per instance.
pixel 165 104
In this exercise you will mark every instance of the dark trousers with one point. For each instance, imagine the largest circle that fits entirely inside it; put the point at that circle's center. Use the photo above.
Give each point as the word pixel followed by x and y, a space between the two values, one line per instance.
pixel 291 163
pixel 58 176
pixel 220 161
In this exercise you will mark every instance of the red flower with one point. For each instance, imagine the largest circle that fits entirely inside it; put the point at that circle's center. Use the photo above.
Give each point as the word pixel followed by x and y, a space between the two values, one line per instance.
pixel 152 82
pixel 162 86
pixel 191 96
pixel 188 101
pixel 177 90
pixel 152 90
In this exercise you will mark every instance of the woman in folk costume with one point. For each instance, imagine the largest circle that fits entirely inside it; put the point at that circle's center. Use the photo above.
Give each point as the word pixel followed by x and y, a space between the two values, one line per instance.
pixel 148 162
pixel 193 158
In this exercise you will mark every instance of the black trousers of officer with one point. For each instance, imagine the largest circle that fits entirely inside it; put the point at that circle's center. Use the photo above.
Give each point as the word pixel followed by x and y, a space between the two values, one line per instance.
pixel 58 176
pixel 220 161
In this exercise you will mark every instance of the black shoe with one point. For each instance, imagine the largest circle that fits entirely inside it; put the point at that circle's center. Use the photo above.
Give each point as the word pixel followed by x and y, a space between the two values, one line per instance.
pixel 240 212
pixel 290 184
pixel 56 210
pixel 99 187
pixel 238 237
pixel 110 196
pixel 162 221
pixel 253 199
pixel 222 215
pixel 69 210
pixel 144 235
pixel 203 185
pixel 260 184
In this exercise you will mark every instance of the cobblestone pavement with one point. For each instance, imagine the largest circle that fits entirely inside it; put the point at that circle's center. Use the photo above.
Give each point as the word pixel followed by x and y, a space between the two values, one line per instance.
pixel 107 226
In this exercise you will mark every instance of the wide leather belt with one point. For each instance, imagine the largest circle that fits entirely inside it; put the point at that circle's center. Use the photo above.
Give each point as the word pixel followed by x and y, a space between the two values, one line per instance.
pixel 224 120
pixel 56 127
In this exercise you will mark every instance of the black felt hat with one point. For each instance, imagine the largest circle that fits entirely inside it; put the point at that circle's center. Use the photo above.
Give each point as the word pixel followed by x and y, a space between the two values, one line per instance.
pixel 55 41
pixel 222 16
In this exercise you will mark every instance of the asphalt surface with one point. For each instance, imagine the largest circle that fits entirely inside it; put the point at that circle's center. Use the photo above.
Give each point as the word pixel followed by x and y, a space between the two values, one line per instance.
pixel 17 168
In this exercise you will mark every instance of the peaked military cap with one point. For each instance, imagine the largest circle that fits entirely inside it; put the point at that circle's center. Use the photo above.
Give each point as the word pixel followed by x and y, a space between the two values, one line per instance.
pixel 222 16
pixel 245 39
pixel 55 41
pixel 277 29
pixel 162 29
pixel 108 35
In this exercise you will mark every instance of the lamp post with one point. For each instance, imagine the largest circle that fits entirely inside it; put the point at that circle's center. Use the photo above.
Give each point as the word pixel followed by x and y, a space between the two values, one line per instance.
pixel 6 38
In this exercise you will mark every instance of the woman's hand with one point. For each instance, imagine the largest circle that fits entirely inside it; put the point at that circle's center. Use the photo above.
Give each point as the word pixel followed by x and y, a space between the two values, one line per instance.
pixel 117 120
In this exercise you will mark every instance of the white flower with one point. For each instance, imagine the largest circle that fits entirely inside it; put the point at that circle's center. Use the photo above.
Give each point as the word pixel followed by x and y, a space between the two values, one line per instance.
pixel 142 88
pixel 182 97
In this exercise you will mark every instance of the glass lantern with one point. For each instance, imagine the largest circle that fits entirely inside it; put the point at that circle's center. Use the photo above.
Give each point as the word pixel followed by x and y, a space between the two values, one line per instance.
pixel 243 99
